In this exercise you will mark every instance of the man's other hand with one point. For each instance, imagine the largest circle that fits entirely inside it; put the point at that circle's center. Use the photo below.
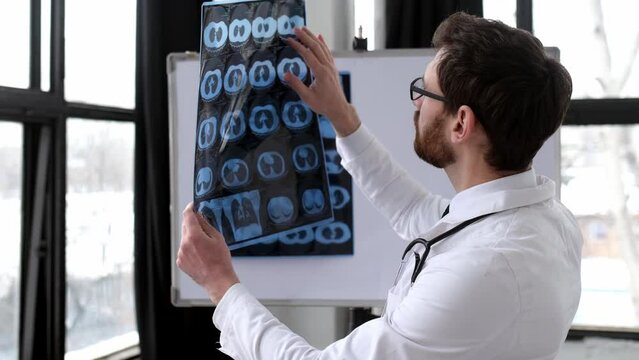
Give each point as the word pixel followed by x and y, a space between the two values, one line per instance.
pixel 204 256
pixel 325 95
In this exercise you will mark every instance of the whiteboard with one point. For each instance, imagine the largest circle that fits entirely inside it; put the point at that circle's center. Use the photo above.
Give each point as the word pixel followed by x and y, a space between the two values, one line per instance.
pixel 379 91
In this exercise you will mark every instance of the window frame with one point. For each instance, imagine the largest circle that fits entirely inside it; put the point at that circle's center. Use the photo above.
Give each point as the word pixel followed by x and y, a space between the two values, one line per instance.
pixel 43 115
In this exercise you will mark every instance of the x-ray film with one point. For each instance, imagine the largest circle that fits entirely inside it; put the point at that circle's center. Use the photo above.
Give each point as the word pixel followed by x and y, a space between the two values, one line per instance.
pixel 261 169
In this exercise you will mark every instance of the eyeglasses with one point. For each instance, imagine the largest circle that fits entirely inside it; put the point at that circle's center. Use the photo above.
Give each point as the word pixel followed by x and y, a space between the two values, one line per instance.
pixel 417 90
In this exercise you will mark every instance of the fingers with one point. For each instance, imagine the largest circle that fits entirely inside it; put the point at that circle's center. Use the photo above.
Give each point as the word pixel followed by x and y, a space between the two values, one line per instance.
pixel 306 53
pixel 190 222
pixel 327 51
pixel 310 40
pixel 208 228
pixel 298 86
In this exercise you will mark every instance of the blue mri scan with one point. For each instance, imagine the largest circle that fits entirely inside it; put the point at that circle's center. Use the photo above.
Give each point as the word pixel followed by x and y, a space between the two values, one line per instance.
pixel 240 28
pixel 235 79
pixel 215 35
pixel 333 162
pixel 271 165
pixel 280 210
pixel 313 201
pixel 264 26
pixel 235 173
pixel 211 85
pixel 303 235
pixel 295 66
pixel 305 158
pixel 207 133
pixel 296 115
pixel 286 24
pixel 333 233
pixel 326 129
pixel 212 210
pixel 233 126
pixel 203 181
pixel 264 120
pixel 339 197
pixel 262 74
pixel 242 210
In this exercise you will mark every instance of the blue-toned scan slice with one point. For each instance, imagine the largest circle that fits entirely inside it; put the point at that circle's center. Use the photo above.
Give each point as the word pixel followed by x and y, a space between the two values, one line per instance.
pixel 215 35
pixel 264 25
pixel 235 173
pixel 212 210
pixel 207 133
pixel 326 129
pixel 296 115
pixel 295 65
pixel 333 162
pixel 262 74
pixel 233 126
pixel 305 158
pixel 339 196
pixel 242 212
pixel 313 201
pixel 280 210
pixel 211 85
pixel 271 165
pixel 286 24
pixel 203 181
pixel 235 79
pixel 263 120
pixel 240 28
pixel 303 235
pixel 333 233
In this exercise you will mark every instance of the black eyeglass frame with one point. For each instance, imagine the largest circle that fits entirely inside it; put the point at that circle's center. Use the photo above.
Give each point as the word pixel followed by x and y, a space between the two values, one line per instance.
pixel 423 92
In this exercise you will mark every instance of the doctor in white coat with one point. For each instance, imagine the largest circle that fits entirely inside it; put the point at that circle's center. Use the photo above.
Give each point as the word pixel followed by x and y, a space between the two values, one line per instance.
pixel 503 282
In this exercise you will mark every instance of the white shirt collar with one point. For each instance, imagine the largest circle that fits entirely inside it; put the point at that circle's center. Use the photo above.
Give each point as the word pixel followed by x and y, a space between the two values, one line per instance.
pixel 506 193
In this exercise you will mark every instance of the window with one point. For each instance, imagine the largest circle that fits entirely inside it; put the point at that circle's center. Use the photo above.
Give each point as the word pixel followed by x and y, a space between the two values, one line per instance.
pixel 10 213
pixel 504 11
pixel 67 98
pixel 99 249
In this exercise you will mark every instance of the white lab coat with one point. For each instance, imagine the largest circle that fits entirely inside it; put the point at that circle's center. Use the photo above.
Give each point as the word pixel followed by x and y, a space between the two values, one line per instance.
pixel 506 287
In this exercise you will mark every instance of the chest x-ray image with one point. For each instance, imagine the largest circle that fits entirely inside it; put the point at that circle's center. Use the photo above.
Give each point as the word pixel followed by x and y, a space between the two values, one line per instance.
pixel 261 164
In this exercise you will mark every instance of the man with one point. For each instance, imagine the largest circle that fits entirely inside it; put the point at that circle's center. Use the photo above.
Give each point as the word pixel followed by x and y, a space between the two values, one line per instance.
pixel 505 282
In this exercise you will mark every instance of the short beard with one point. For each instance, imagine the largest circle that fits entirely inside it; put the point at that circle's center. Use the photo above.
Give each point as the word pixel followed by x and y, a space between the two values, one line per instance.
pixel 432 147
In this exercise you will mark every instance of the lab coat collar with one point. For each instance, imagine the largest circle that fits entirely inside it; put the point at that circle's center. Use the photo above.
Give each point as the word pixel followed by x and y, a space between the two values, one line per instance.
pixel 506 193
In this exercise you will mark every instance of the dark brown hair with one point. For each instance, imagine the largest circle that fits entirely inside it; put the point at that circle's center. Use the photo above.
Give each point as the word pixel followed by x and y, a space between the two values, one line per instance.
pixel 519 94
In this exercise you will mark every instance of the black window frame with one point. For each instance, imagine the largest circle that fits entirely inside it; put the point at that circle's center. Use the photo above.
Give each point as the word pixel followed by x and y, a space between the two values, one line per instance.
pixel 43 115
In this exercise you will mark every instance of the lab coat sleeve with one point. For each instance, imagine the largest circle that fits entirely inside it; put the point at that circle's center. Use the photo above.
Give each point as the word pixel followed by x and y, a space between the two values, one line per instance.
pixel 409 207
pixel 447 315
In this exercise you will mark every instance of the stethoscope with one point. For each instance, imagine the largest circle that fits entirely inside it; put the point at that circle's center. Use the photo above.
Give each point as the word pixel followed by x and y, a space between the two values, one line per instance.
pixel 427 244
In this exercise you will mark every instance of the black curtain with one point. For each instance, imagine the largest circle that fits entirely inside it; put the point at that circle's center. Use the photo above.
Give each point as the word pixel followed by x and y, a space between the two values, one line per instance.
pixel 411 23
pixel 166 332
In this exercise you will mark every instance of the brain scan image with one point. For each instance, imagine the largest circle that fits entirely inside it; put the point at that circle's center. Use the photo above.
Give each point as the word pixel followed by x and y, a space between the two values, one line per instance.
pixel 286 24
pixel 203 181
pixel 216 32
pixel 262 71
pixel 296 115
pixel 263 119
pixel 290 61
pixel 313 201
pixel 235 173
pixel 242 212
pixel 326 129
pixel 339 197
pixel 333 162
pixel 207 132
pixel 303 235
pixel 271 165
pixel 305 158
pixel 280 210
pixel 333 233
pixel 240 27
pixel 264 25
pixel 233 126
pixel 235 79
pixel 211 85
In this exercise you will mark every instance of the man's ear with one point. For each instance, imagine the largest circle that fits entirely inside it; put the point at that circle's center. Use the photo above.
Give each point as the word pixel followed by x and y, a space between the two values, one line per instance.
pixel 465 125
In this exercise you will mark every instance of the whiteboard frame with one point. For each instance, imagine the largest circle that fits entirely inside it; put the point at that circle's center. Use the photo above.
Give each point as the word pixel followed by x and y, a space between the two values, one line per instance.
pixel 176 298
